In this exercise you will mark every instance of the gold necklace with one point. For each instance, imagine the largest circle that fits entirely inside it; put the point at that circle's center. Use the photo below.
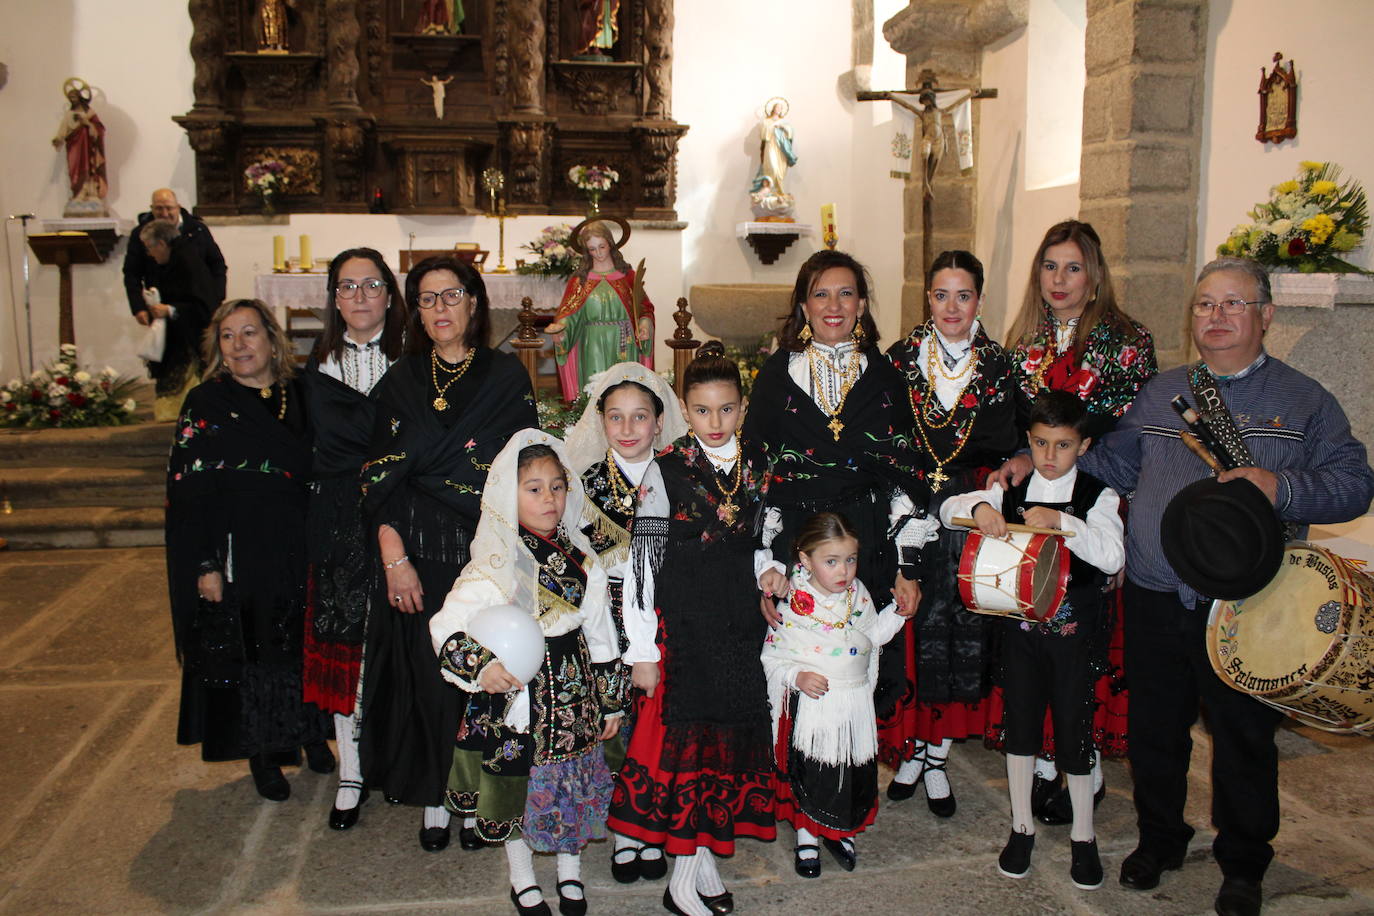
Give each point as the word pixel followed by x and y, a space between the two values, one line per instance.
pixel 729 507
pixel 621 491
pixel 266 393
pixel 848 376
pixel 939 363
pixel 849 611
pixel 931 399
pixel 938 478
pixel 439 402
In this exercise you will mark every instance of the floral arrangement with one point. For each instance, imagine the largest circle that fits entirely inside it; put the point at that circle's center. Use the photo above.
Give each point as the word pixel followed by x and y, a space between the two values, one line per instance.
pixel 63 394
pixel 597 178
pixel 265 177
pixel 1306 225
pixel 556 416
pixel 750 359
pixel 556 257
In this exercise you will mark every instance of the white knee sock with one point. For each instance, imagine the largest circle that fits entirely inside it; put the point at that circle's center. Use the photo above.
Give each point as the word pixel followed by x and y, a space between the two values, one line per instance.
pixel 1098 778
pixel 570 869
pixel 682 884
pixel 708 877
pixel 350 767
pixel 1081 794
pixel 649 853
pixel 520 861
pixel 1020 769
pixel 1046 769
pixel 910 770
pixel 436 816
pixel 806 838
pixel 469 822
pixel 626 849
pixel 937 783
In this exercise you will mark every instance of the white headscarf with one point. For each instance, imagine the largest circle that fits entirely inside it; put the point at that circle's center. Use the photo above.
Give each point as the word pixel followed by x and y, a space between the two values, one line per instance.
pixel 587 438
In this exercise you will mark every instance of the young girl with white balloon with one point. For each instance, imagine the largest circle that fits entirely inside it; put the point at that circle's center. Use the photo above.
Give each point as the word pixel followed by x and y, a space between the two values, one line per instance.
pixel 528 770
pixel 632 413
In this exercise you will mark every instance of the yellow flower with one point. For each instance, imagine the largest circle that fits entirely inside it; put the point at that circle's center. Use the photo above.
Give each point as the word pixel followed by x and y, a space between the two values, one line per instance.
pixel 1344 240
pixel 1319 228
pixel 1286 187
pixel 1309 166
pixel 1323 187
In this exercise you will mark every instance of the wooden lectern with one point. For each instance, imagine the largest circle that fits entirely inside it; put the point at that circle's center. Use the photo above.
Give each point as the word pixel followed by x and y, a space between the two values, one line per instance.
pixel 65 249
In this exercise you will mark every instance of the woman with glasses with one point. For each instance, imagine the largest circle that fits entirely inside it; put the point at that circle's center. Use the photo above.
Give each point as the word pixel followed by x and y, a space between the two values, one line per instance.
pixel 364 329
pixel 1072 336
pixel 444 411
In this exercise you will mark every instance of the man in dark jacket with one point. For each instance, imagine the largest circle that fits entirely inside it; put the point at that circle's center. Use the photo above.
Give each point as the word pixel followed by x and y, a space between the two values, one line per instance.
pixel 181 290
pixel 138 266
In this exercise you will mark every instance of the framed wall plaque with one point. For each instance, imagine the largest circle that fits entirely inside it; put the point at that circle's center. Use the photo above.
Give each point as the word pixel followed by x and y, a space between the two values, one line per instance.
pixel 1278 102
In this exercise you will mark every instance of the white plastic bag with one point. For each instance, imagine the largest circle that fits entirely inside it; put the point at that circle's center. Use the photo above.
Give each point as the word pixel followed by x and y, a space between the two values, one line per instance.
pixel 154 342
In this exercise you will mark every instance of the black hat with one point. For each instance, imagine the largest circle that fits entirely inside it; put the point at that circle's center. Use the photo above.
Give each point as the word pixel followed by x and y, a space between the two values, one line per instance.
pixel 1223 539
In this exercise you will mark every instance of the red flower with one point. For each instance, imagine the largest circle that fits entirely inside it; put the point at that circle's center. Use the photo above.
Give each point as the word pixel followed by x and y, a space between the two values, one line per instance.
pixel 61 380
pixel 200 424
pixel 968 400
pixel 54 413
pixel 35 395
pixel 1297 246
pixel 11 406
pixel 76 400
pixel 803 603
pixel 1128 355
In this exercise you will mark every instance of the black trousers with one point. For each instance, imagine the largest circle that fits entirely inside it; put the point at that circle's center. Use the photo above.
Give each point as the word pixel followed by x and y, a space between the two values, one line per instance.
pixel 1040 670
pixel 1168 673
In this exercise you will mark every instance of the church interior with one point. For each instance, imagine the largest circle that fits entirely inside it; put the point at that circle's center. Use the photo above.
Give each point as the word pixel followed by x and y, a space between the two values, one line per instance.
pixel 1138 116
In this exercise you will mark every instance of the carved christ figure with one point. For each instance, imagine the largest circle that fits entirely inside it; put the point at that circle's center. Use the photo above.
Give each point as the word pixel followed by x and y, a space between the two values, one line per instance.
pixel 439 88
pixel 600 28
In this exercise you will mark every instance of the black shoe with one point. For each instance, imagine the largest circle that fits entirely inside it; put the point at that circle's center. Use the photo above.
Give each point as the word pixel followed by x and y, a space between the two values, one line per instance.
pixel 319 757
pixel 671 905
pixel 468 839
pixel 539 909
pixel 271 784
pixel 435 839
pixel 844 853
pixel 391 799
pixel 1239 897
pixel 1059 809
pixel 901 791
pixel 1042 791
pixel 1085 870
pixel 1014 862
pixel 810 867
pixel 940 807
pixel 343 818
pixel 720 904
pixel 626 872
pixel 653 869
pixel 572 906
pixel 1141 869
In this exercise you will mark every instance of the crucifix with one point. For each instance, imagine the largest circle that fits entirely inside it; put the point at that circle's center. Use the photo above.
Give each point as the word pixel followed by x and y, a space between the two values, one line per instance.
pixel 435 169
pixel 932 148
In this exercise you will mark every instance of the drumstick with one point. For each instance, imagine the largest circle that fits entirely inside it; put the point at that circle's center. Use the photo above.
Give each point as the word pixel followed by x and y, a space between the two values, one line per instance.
pixel 1013 526
pixel 1200 450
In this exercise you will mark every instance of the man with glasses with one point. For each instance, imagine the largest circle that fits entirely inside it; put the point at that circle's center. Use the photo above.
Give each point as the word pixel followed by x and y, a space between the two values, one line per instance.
pixel 1312 470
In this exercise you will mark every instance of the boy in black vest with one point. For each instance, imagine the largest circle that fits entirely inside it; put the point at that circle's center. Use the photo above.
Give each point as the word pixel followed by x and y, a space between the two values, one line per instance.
pixel 1051 663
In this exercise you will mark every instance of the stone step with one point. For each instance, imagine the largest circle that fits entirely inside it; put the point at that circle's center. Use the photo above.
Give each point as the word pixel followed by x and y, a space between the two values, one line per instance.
pixel 36 487
pixel 82 527
pixel 143 444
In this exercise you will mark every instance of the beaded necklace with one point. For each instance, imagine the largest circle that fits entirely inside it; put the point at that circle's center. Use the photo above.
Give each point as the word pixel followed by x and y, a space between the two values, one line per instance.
pixel 729 508
pixel 266 393
pixel 848 376
pixel 938 478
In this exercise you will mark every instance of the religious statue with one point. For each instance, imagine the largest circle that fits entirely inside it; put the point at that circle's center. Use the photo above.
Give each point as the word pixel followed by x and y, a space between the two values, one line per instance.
pixel 438 87
pixel 768 191
pixel 605 318
pixel 440 17
pixel 599 29
pixel 272 26
pixel 84 135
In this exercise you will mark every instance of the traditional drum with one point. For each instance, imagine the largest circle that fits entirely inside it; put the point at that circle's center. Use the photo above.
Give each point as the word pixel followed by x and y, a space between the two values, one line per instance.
pixel 1022 575
pixel 1305 644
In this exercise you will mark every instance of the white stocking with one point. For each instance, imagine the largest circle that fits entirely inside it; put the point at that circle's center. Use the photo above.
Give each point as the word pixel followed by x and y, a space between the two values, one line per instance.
pixel 708 878
pixel 469 822
pixel 910 770
pixel 682 884
pixel 350 766
pixel 806 838
pixel 436 816
pixel 1098 778
pixel 1020 769
pixel 1046 769
pixel 1081 795
pixel 520 860
pixel 937 783
pixel 570 869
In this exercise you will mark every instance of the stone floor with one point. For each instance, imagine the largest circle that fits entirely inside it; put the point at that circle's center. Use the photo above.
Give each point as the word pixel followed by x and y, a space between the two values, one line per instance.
pixel 103 813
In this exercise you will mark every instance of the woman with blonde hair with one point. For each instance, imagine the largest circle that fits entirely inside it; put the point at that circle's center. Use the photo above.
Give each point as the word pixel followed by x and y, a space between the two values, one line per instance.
pixel 236 504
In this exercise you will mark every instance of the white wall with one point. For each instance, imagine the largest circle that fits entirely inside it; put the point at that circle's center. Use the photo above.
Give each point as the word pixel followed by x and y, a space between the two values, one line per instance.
pixel 1330 43
pixel 135 54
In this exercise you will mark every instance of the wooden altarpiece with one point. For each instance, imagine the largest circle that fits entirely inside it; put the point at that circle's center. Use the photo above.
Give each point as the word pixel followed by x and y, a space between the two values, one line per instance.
pixel 348 106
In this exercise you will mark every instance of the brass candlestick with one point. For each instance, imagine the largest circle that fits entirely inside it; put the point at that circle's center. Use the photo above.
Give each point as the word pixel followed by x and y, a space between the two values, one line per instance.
pixel 494 181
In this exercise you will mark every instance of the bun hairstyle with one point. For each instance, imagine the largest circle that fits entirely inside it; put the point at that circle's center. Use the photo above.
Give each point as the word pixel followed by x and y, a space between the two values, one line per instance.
pixel 957 259
pixel 711 365
pixel 819 528
pixel 654 399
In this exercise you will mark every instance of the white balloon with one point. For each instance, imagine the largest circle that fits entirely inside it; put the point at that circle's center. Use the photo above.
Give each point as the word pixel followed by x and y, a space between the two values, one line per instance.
pixel 513 636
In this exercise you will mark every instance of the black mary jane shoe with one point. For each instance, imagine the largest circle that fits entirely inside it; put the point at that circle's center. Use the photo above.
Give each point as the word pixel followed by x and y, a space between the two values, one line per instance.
pixel 670 904
pixel 901 791
pixel 572 906
pixel 843 853
pixel 435 839
pixel 626 872
pixel 344 818
pixel 652 869
pixel 809 867
pixel 1043 791
pixel 940 807
pixel 1059 808
pixel 268 779
pixel 539 909
pixel 319 757
pixel 720 904
pixel 469 840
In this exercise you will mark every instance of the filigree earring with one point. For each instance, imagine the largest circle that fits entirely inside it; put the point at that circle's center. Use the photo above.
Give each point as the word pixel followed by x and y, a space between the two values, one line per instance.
pixel 805 334
pixel 859 331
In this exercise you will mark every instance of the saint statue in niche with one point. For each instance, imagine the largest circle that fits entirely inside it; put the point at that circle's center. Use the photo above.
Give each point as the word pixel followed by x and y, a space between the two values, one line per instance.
pixel 84 136
pixel 272 26
pixel 768 191
pixel 600 28
pixel 605 318
pixel 440 17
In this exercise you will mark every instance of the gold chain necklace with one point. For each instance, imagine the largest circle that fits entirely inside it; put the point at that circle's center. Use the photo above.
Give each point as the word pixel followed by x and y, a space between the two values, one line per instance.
pixel 939 363
pixel 266 393
pixel 849 611
pixel 439 402
pixel 848 376
pixel 931 399
pixel 729 507
pixel 621 491
pixel 938 478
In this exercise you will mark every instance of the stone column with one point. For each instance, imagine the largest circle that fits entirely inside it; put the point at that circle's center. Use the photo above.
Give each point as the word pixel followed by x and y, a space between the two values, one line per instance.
pixel 1142 135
